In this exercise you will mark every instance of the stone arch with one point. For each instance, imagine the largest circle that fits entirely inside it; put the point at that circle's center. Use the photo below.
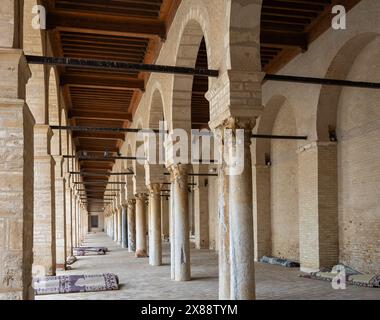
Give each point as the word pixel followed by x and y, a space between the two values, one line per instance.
pixel 265 126
pixel 284 186
pixel 64 133
pixel 276 194
pixel 138 167
pixel 191 35
pixel 262 179
pixel 329 95
pixel 34 43
pixel 128 164
pixel 358 132
pixel 156 107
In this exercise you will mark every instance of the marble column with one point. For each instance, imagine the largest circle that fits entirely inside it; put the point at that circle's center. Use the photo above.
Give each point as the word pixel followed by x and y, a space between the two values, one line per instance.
pixel 181 226
pixel 201 214
pixel 119 212
pixel 141 243
pixel 155 244
pixel 16 169
pixel 172 224
pixel 124 227
pixel 115 224
pixel 241 215
pixel 164 218
pixel 132 225
pixel 224 236
pixel 44 239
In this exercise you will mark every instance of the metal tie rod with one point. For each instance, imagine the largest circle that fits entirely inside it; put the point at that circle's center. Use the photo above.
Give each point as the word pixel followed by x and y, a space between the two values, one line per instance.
pixel 89 174
pixel 322 81
pixel 103 130
pixel 91 129
pixel 111 158
pixel 119 65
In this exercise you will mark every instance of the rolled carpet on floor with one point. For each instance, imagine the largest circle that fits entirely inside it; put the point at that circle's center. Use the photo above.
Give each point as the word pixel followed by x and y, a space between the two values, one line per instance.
pixel 76 283
pixel 280 262
pixel 81 251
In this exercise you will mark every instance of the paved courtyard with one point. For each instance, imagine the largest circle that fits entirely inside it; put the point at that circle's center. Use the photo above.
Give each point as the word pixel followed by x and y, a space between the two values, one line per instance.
pixel 140 281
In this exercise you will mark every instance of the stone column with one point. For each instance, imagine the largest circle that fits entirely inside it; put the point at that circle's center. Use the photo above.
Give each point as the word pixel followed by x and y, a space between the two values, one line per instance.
pixel 120 225
pixel 224 236
pixel 164 218
pixel 181 225
pixel 112 225
pixel 16 171
pixel 60 214
pixel 155 244
pixel 241 215
pixel 172 224
pixel 74 219
pixel 141 245
pixel 132 225
pixel 44 202
pixel 115 224
pixel 201 215
pixel 124 227
pixel 69 236
pixel 78 224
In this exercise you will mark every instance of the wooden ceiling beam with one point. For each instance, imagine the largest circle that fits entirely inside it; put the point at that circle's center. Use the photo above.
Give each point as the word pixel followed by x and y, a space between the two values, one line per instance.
pixel 119 116
pixel 284 39
pixel 92 23
pixel 99 136
pixel 90 81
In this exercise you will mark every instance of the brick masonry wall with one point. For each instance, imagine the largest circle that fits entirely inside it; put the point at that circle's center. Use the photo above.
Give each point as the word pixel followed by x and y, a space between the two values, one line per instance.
pixel 284 188
pixel 359 166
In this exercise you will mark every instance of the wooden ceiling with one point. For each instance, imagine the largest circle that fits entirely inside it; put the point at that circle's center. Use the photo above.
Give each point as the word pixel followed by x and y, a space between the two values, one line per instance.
pixel 287 29
pixel 289 26
pixel 133 31
pixel 119 30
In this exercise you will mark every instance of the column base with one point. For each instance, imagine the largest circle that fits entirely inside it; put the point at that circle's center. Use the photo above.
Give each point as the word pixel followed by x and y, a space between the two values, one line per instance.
pixel 308 270
pixel 141 254
pixel 61 267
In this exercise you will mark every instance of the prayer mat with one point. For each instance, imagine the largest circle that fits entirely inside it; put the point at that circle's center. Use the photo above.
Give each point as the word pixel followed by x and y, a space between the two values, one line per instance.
pixel 76 283
pixel 280 262
pixel 81 251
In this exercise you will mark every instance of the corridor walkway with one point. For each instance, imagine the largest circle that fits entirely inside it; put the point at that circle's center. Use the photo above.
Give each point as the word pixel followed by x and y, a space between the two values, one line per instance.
pixel 139 281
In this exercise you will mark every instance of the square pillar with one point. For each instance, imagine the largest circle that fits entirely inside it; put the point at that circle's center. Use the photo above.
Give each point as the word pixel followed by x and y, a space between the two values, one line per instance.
pixel 318 206
pixel 60 213
pixel 16 171
pixel 44 202
pixel 68 199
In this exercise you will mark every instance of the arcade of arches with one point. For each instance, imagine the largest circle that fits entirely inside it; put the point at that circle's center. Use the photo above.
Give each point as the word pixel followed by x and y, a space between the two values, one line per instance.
pixel 314 201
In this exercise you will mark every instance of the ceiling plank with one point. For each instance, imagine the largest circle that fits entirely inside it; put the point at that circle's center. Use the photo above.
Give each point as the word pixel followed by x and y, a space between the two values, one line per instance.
pixel 123 116
pixel 92 23
pixel 90 81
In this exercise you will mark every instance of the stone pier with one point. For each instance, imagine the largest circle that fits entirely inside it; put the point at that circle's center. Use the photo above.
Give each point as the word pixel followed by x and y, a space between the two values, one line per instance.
pixel 155 245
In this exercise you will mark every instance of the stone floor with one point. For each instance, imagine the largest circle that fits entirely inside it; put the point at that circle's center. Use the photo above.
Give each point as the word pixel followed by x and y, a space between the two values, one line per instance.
pixel 140 281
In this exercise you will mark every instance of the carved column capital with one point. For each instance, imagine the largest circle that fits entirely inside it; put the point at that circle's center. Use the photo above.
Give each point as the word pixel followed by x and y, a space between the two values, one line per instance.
pixel 141 196
pixel 131 203
pixel 155 188
pixel 179 174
